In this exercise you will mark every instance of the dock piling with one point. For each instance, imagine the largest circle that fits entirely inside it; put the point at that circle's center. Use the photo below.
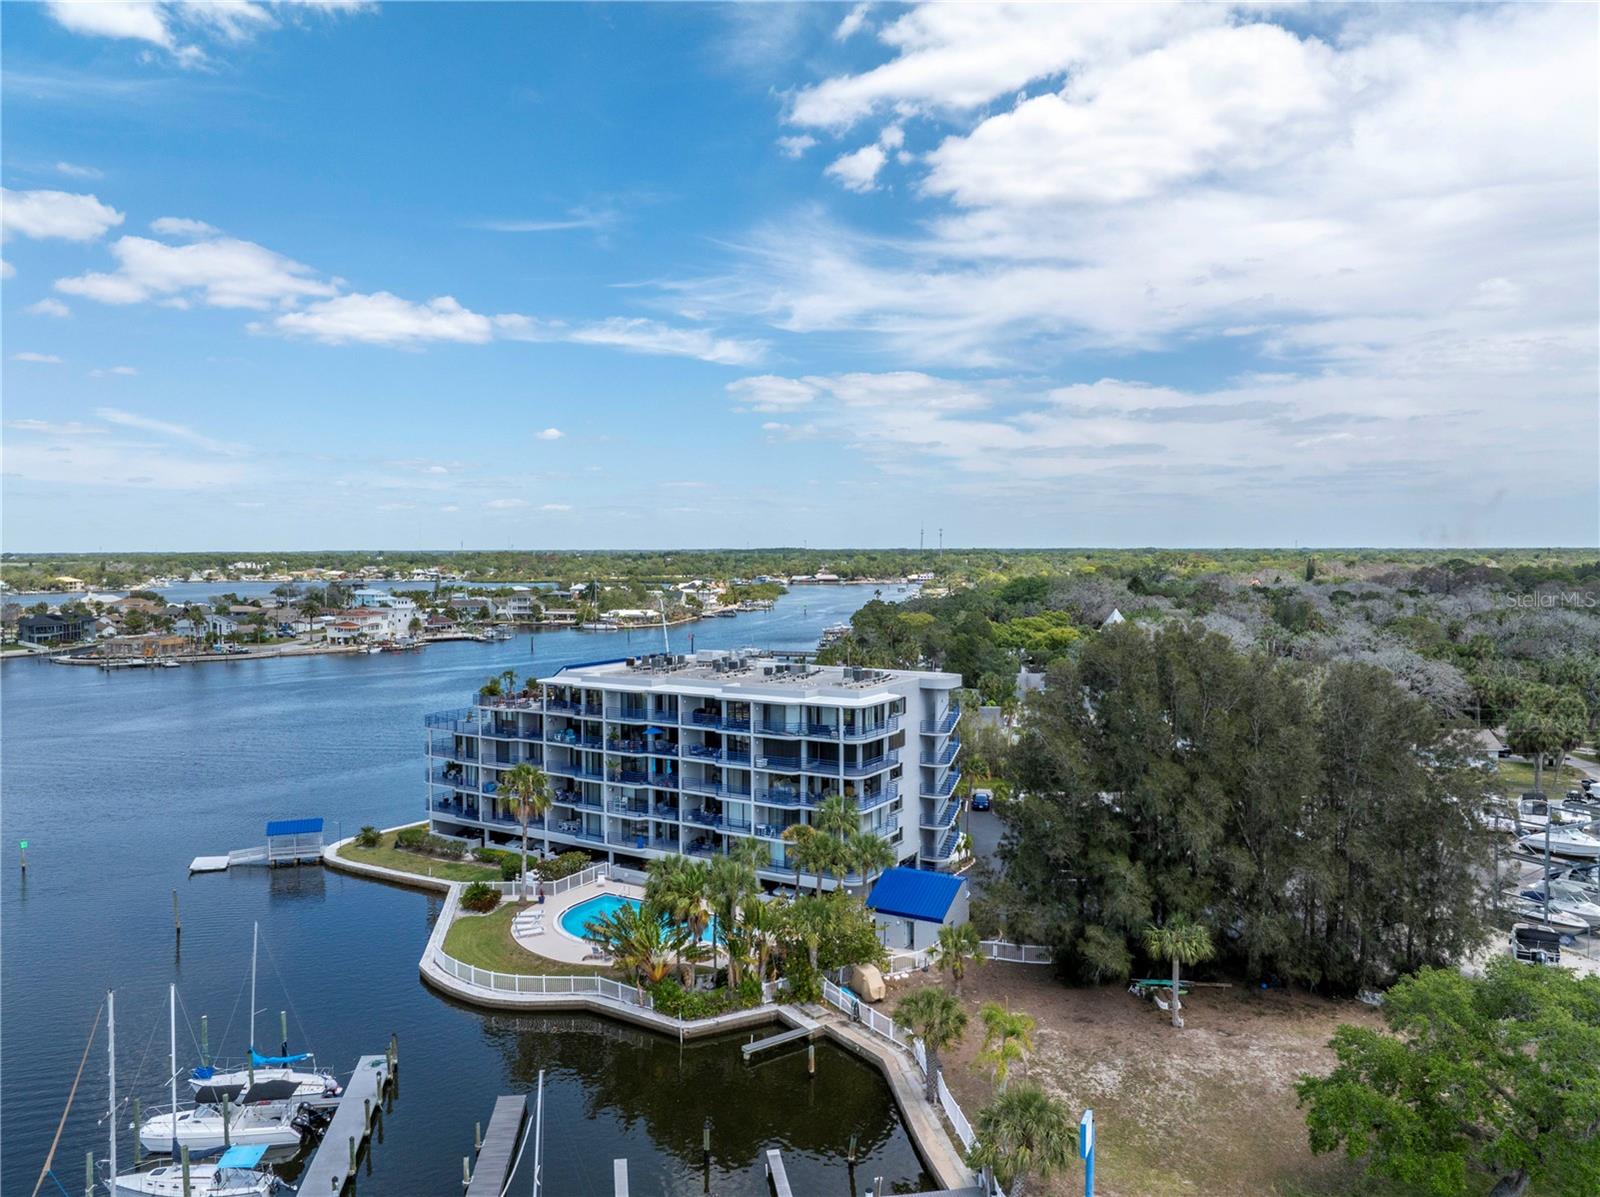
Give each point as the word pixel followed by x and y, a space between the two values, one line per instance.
pixel 177 919
pixel 811 1059
pixel 619 1177
pixel 466 1171
pixel 88 1175
pixel 227 1113
pixel 184 1156
pixel 205 1040
pixel 283 1031
pixel 477 1136
pixel 137 1122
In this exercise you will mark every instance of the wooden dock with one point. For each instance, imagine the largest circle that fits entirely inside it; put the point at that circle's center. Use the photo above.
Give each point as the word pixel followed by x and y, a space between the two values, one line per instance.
pixel 499 1151
pixel 776 1173
pixel 333 1164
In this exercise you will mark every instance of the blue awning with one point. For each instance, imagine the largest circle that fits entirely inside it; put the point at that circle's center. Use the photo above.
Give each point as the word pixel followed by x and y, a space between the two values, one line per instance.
pixel 294 826
pixel 915 894
pixel 654 731
pixel 242 1157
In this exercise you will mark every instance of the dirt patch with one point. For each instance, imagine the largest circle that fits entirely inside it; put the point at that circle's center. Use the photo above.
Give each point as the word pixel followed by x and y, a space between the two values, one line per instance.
pixel 1209 1110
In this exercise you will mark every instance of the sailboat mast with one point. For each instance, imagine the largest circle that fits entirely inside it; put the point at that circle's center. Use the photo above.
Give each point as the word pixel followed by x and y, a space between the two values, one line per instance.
pixel 111 1078
pixel 255 938
pixel 172 1062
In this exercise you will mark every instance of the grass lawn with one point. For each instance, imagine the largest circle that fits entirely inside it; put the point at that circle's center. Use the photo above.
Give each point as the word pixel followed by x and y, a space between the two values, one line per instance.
pixel 388 856
pixel 484 941
pixel 1516 777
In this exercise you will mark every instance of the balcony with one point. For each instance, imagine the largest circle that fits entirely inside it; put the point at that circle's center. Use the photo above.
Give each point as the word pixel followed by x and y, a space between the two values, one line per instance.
pixel 942 789
pixel 772 831
pixel 781 796
pixel 650 746
pixel 704 818
pixel 866 768
pixel 454 752
pixel 782 727
pixel 945 850
pixel 892 723
pixel 778 764
pixel 939 760
pixel 701 752
pixel 942 727
pixel 454 810
pixel 736 756
pixel 943 818
pixel 664 812
pixel 639 715
pixel 822 731
pixel 570 770
pixel 638 810
pixel 872 801
pixel 574 740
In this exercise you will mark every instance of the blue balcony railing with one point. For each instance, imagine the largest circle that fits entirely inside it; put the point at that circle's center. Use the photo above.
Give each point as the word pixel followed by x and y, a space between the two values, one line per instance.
pixel 942 789
pixel 944 726
pixel 892 723
pixel 865 768
pixel 944 756
pixel 782 764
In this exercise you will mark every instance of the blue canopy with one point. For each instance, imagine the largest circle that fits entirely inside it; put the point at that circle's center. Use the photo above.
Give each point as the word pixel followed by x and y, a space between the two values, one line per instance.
pixel 242 1157
pixel 260 1061
pixel 654 731
pixel 203 1073
pixel 294 826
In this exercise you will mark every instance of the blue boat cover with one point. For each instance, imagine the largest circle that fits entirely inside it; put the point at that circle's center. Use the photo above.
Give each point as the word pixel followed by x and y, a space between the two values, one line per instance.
pixel 293 826
pixel 914 894
pixel 203 1073
pixel 261 1061
pixel 242 1157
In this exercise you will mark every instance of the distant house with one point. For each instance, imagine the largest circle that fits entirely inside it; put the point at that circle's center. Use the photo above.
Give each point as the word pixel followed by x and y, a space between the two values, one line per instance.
pixel 910 905
pixel 54 629
pixel 559 615
pixel 224 625
pixel 516 606
pixel 1029 682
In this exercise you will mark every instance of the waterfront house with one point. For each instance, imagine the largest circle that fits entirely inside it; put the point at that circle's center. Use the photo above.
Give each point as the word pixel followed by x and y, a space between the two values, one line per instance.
pixel 224 625
pixel 521 605
pixel 910 905
pixel 369 624
pixel 685 755
pixel 51 628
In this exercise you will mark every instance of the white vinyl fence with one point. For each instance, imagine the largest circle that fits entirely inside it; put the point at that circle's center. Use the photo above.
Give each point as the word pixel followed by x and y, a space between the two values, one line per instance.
pixel 1015 953
pixel 592 873
pixel 482 978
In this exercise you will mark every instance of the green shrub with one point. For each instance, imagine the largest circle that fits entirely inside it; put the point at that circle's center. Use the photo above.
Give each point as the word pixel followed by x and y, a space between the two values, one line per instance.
pixel 561 866
pixel 510 870
pixel 417 839
pixel 410 838
pixel 494 856
pixel 368 837
pixel 673 1000
pixel 480 896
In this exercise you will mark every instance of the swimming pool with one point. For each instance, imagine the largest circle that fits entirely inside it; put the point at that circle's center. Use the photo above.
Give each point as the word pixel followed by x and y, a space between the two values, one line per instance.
pixel 602 906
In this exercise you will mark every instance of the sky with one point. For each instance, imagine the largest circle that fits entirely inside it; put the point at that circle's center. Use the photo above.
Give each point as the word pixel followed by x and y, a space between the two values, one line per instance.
pixel 301 275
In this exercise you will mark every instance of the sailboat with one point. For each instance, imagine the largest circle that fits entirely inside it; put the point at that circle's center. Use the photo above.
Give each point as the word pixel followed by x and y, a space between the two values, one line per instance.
pixel 210 1084
pixel 233 1175
pixel 265 1116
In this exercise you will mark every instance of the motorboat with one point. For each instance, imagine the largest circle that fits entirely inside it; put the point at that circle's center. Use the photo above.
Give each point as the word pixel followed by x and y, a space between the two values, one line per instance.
pixel 233 1175
pixel 266 1116
pixel 1558 920
pixel 1563 840
pixel 1568 899
pixel 1534 810
pixel 1536 945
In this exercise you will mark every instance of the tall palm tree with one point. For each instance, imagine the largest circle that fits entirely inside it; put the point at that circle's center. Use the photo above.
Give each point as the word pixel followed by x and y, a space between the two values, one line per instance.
pixel 805 846
pixel 866 853
pixel 936 1018
pixel 956 946
pixel 1182 941
pixel 527 789
pixel 836 816
pixel 731 881
pixel 1007 1039
pixel 763 921
pixel 679 886
pixel 1024 1133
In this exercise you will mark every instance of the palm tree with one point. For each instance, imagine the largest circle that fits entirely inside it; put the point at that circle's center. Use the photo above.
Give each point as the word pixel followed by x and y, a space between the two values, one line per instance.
pixel 1007 1039
pixel 679 885
pixel 763 920
pixel 867 853
pixel 936 1018
pixel 956 946
pixel 1023 1133
pixel 642 940
pixel 805 847
pixel 527 789
pixel 732 880
pixel 836 816
pixel 1181 941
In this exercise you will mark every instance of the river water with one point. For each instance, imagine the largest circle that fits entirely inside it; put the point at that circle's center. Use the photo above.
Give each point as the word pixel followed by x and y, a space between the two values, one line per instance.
pixel 117 780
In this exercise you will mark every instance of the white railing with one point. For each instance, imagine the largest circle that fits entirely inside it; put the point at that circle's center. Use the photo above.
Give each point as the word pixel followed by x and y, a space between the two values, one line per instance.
pixel 901 963
pixel 483 978
pixel 953 1111
pixel 1016 953
pixel 628 876
pixel 584 877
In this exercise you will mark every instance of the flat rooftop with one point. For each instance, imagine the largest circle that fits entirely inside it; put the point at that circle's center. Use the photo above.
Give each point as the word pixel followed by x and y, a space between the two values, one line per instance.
pixel 750 675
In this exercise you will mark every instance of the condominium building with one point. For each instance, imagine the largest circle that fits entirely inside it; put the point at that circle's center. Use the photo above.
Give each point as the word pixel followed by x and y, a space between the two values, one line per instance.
pixel 672 754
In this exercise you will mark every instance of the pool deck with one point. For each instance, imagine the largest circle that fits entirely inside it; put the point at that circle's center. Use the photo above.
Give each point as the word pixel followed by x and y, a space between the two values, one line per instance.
pixel 554 942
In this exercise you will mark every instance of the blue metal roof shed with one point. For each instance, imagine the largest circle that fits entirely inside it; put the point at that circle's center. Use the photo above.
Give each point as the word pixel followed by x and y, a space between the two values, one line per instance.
pixel 294 827
pixel 915 894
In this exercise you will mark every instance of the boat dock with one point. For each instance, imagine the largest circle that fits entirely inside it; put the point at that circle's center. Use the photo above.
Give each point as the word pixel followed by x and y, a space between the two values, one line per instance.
pixel 289 841
pixel 802 1026
pixel 499 1151
pixel 776 1176
pixel 333 1164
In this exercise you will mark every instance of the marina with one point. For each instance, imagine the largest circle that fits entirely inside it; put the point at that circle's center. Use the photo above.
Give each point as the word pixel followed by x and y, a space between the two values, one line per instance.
pixel 199 759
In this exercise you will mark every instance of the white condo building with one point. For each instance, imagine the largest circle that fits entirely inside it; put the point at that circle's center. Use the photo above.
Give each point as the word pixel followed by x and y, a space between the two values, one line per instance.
pixel 665 754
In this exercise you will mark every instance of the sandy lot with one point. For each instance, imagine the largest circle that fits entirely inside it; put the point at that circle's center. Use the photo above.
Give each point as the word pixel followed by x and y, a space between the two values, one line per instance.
pixel 1209 1110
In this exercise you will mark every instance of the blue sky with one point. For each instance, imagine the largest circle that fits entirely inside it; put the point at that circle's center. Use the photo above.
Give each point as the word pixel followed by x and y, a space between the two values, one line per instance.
pixel 298 275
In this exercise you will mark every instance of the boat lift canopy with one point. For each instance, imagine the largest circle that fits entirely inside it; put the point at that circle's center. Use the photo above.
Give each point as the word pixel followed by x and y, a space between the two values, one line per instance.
pixel 242 1157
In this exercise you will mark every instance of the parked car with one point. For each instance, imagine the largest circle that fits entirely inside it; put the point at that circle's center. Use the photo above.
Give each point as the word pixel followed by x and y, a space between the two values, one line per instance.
pixel 981 799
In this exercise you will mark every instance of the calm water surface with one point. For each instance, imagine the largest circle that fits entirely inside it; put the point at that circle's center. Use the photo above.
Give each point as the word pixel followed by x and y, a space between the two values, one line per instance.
pixel 118 780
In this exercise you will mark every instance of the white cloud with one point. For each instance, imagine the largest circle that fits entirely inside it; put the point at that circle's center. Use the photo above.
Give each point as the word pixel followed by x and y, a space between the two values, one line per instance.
pixel 113 371
pixel 794 147
pixel 556 507
pixel 858 170
pixel 7 270
pixel 578 218
pixel 551 434
pixel 49 307
pixel 852 23
pixel 505 504
pixel 183 228
pixel 161 23
pixel 223 273
pixel 651 336
pixel 74 171
pixel 59 214
pixel 168 430
pixel 47 428
pixel 769 392
pixel 385 319
pixel 41 359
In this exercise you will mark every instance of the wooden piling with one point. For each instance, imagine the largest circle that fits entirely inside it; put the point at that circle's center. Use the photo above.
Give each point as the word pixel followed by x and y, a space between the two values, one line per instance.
pixel 227 1134
pixel 177 919
pixel 184 1155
